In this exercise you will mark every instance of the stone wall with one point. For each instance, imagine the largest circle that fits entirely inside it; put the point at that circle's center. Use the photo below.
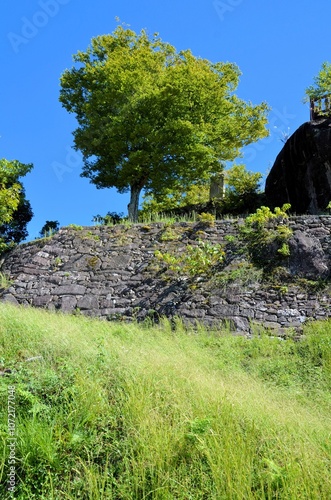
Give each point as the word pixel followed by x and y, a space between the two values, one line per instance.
pixel 112 273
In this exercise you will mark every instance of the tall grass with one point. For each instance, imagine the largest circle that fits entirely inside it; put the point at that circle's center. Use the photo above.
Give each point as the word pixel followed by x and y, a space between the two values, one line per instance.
pixel 121 411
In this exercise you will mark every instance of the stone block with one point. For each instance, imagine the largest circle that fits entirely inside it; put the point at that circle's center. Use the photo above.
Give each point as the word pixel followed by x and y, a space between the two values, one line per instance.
pixel 88 302
pixel 68 303
pixel 70 290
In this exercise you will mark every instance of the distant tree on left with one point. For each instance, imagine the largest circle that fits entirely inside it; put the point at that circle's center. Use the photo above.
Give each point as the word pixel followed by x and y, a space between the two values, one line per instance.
pixel 15 209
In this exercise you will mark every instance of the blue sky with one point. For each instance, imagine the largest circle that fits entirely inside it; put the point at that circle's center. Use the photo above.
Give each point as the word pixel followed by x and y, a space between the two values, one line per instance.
pixel 278 46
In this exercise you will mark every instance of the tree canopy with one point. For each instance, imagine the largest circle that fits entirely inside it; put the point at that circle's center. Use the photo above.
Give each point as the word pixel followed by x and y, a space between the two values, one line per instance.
pixel 154 118
pixel 15 230
pixel 15 210
pixel 322 83
pixel 49 228
pixel 241 193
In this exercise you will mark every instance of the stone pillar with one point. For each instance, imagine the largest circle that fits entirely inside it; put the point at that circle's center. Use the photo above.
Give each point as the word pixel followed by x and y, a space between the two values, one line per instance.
pixel 217 189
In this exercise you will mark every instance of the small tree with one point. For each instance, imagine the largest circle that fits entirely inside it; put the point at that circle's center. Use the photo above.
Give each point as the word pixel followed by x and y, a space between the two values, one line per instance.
pixel 322 83
pixel 49 228
pixel 111 218
pixel 242 189
pixel 150 117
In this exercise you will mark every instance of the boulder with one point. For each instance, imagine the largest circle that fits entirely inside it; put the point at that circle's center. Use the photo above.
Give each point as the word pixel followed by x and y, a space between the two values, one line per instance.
pixel 301 174
pixel 307 258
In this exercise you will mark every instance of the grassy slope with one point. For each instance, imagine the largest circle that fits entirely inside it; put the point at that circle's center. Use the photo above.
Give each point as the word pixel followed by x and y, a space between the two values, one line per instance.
pixel 118 411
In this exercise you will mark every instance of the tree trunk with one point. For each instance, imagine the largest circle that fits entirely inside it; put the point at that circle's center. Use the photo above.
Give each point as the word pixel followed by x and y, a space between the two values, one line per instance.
pixel 134 203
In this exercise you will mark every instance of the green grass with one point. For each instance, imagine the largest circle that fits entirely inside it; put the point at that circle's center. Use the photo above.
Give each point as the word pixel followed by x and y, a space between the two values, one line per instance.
pixel 122 411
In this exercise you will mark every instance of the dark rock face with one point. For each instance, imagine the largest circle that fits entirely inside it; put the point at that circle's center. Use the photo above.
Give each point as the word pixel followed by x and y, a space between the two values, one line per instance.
pixel 307 258
pixel 301 174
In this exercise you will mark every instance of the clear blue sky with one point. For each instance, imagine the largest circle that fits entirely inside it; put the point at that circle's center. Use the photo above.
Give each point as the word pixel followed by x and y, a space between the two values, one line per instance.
pixel 278 45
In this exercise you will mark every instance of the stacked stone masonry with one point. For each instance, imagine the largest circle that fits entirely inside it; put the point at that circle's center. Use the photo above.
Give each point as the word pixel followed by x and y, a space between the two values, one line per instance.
pixel 112 273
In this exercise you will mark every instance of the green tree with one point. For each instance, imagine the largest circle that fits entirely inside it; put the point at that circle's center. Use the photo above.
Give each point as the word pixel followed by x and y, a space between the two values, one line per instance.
pixel 242 194
pixel 15 210
pixel 15 230
pixel 50 227
pixel 150 117
pixel 322 83
pixel 242 189
pixel 171 199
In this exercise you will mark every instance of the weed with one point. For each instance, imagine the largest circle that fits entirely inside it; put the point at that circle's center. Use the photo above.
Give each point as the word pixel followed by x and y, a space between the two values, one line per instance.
pixel 170 233
pixel 196 261
pixel 243 272
pixel 207 218
pixel 284 250
pixel 5 281
pixel 266 236
pixel 57 262
pixel 312 286
pixel 229 238
pixel 92 261
pixel 92 236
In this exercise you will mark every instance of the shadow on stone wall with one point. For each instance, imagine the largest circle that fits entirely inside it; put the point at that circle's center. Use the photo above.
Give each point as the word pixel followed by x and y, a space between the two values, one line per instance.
pixel 112 273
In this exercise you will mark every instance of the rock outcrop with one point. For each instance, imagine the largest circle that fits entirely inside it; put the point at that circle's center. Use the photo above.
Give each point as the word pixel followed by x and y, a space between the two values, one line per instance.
pixel 301 174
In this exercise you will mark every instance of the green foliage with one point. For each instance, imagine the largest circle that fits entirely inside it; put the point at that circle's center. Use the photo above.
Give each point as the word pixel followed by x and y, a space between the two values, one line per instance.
pixel 242 194
pixel 206 218
pixel 49 228
pixel 154 118
pixel 121 411
pixel 15 231
pixel 75 227
pixel 284 250
pixel 243 272
pixel 12 199
pixel 242 189
pixel 57 262
pixel 312 286
pixel 92 261
pixel 263 215
pixel 322 83
pixel 110 219
pixel 266 236
pixel 5 282
pixel 196 261
pixel 170 233
pixel 171 199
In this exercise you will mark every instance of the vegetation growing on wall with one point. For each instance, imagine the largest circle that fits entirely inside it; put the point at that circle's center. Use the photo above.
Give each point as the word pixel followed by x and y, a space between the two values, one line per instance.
pixel 262 243
pixel 199 260
pixel 266 235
